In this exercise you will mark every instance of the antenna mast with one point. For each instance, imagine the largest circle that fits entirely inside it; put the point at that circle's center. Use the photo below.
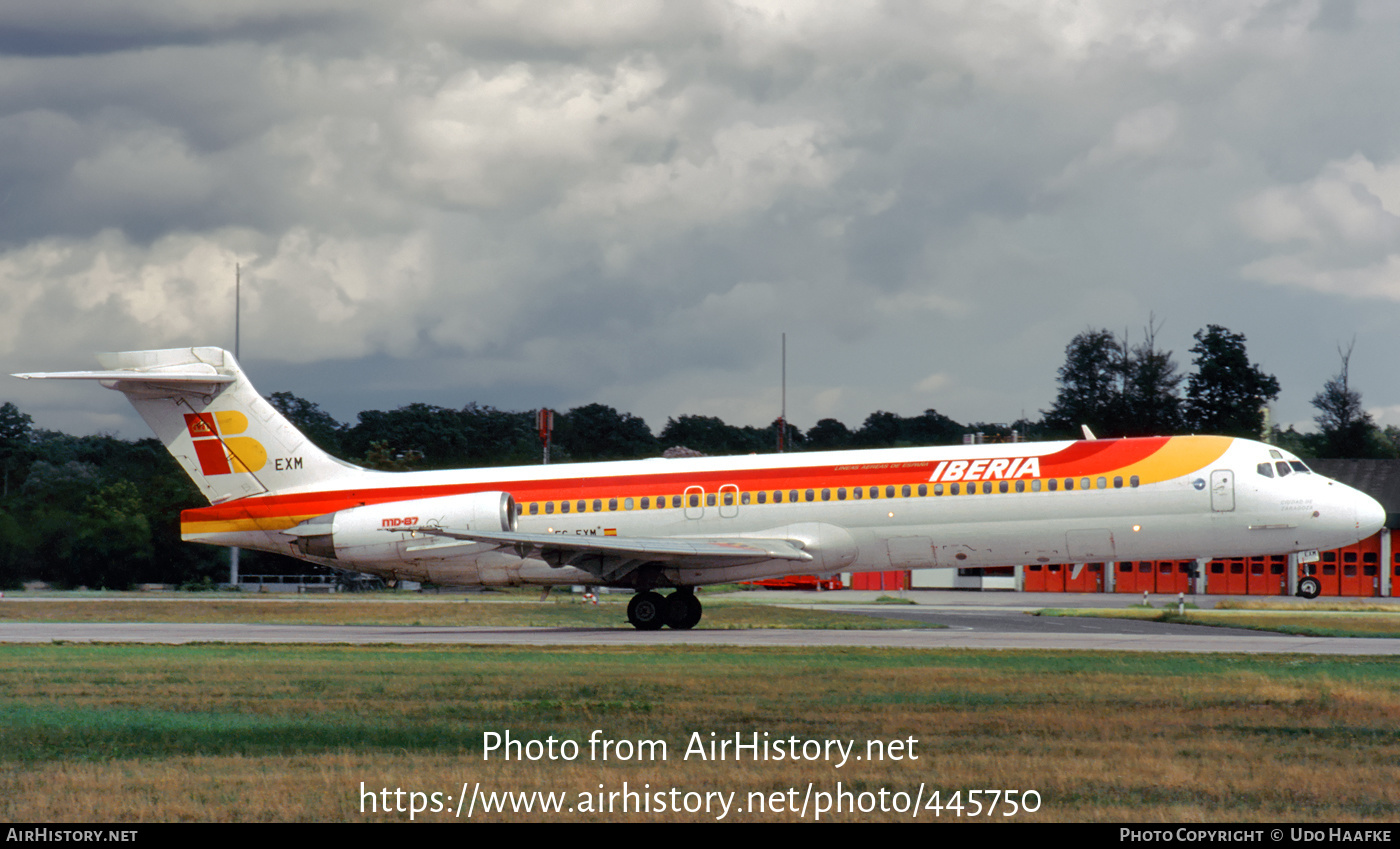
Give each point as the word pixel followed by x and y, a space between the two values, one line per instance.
pixel 237 309
pixel 782 415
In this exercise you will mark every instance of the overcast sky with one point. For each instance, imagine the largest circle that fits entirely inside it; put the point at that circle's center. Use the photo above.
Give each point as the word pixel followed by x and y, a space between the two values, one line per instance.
pixel 628 202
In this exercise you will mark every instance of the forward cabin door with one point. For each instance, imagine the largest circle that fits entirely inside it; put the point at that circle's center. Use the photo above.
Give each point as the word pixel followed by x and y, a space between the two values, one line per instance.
pixel 1222 490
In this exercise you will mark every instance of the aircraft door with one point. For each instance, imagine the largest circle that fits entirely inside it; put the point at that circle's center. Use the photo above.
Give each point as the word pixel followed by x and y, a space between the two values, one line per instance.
pixel 1222 490
pixel 694 502
pixel 728 501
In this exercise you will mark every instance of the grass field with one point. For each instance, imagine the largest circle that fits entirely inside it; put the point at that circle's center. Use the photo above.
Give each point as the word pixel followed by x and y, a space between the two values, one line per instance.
pixel 279 733
pixel 1349 621
pixel 496 610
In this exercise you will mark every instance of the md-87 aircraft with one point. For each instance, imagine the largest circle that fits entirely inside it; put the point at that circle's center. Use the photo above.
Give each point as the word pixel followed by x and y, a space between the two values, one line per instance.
pixel 677 524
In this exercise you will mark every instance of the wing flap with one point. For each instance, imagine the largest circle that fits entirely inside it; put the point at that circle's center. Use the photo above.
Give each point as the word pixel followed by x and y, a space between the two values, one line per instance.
pixel 609 554
pixel 722 548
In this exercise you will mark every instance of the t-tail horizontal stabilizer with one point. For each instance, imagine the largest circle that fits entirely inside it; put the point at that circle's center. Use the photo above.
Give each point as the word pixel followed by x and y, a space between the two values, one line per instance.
pixel 228 438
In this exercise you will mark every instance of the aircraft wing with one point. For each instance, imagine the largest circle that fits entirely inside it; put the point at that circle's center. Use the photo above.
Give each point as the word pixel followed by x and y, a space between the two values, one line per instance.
pixel 612 557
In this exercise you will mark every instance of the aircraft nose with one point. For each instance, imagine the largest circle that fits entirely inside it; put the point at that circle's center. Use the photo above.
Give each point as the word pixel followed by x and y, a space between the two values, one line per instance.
pixel 1370 515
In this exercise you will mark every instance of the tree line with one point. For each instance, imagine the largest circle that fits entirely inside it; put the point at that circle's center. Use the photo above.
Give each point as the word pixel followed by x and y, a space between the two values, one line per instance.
pixel 99 511
pixel 1119 389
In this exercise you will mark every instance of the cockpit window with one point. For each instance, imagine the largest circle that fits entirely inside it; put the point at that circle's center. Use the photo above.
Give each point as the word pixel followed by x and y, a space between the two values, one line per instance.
pixel 1275 454
pixel 1266 470
pixel 1282 468
pixel 1299 467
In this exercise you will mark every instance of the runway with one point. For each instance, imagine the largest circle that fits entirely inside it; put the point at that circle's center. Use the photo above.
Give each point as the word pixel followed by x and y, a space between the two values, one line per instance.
pixel 994 624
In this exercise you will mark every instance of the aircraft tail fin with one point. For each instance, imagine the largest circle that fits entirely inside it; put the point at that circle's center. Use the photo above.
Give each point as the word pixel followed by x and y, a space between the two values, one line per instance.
pixel 227 437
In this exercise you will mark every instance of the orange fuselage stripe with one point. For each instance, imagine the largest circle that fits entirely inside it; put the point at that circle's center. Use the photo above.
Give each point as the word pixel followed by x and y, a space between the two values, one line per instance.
pixel 1153 459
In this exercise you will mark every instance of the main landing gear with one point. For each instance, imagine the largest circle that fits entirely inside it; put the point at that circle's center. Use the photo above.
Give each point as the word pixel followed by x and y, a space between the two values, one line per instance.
pixel 648 611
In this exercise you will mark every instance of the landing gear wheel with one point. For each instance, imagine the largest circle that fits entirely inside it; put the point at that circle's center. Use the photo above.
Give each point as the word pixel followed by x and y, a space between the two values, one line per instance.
pixel 1309 587
pixel 683 610
pixel 646 611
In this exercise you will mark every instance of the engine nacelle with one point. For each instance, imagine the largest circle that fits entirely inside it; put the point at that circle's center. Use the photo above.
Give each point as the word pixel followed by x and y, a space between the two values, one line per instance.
pixel 384 532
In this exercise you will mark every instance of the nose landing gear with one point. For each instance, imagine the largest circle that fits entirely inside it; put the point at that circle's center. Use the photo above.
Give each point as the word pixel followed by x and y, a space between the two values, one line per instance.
pixel 1309 587
pixel 648 611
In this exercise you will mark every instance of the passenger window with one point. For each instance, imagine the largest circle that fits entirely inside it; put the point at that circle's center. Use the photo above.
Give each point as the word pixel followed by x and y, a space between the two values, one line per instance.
pixel 728 498
pixel 612 503
pixel 841 494
pixel 675 501
pixel 597 505
pixel 563 507
pixel 904 491
pixel 1083 483
pixel 582 506
pixel 1069 484
pixel 857 492
pixel 923 490
pixel 1133 481
pixel 938 489
pixel 695 499
pixel 826 495
pixel 709 499
pixel 986 487
pixel 811 495
pixel 1053 483
pixel 874 492
pixel 534 509
pixel 1003 486
pixel 777 496
pixel 743 498
pixel 1035 485
pixel 763 497
pixel 1117 481
pixel 1103 483
pixel 955 489
pixel 549 507
pixel 889 492
pixel 792 496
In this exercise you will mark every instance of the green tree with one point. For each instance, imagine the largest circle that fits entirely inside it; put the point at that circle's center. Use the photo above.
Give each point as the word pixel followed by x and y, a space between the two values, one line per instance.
pixel 880 429
pixel 110 544
pixel 16 429
pixel 496 437
pixel 1347 430
pixel 314 423
pixel 931 428
pixel 1227 393
pixel 710 435
pixel 793 438
pixel 828 435
pixel 887 430
pixel 434 434
pixel 1091 383
pixel 1152 397
pixel 599 432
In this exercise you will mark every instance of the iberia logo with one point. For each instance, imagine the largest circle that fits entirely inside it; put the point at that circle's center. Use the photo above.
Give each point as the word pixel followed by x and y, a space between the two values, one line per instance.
pixel 219 449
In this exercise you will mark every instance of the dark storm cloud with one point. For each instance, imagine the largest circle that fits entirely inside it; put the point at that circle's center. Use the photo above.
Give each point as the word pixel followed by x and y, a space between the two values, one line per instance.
pixel 50 28
pixel 628 202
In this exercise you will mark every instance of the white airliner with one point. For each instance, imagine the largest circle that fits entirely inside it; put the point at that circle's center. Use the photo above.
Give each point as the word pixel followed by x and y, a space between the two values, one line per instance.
pixel 677 524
